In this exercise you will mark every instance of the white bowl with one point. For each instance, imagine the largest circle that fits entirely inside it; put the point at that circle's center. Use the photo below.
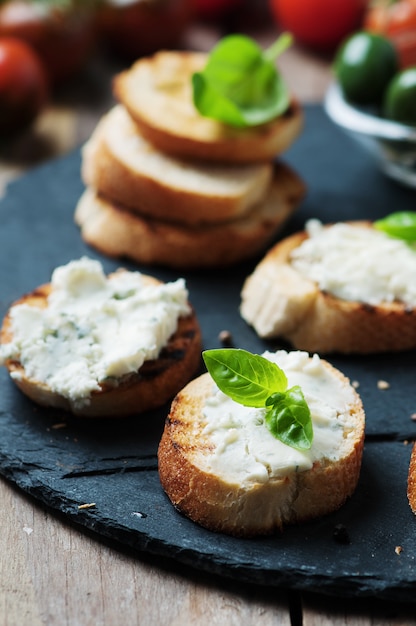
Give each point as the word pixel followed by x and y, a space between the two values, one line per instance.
pixel 391 143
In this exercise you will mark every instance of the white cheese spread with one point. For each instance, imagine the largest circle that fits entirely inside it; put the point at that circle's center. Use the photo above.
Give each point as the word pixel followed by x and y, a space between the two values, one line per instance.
pixel 246 452
pixel 94 329
pixel 357 263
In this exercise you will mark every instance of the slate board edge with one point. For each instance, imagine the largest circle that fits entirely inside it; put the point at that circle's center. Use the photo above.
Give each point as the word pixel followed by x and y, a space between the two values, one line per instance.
pixel 297 579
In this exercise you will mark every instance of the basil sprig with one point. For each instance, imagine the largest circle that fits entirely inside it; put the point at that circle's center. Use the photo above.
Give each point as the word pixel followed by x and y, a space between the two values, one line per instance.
pixel 252 380
pixel 240 84
pixel 401 225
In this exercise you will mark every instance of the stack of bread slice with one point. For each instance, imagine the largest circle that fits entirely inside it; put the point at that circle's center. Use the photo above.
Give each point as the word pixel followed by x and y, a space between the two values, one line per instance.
pixel 166 186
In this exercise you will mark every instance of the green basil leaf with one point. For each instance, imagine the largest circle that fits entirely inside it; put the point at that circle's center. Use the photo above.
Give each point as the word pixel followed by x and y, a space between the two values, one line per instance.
pixel 401 225
pixel 246 378
pixel 211 103
pixel 289 419
pixel 240 84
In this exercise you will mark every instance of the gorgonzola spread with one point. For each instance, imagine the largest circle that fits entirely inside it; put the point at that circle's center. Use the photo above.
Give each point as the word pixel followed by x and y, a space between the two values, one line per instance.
pixel 94 329
pixel 358 263
pixel 244 449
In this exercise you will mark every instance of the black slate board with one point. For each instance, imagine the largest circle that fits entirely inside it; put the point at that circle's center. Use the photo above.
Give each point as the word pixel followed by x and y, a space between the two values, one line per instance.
pixel 113 464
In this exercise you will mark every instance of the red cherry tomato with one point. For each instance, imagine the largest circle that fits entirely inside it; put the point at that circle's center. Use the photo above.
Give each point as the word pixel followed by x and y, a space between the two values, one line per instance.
pixel 61 37
pixel 136 28
pixel 23 86
pixel 321 24
pixel 397 22
pixel 214 9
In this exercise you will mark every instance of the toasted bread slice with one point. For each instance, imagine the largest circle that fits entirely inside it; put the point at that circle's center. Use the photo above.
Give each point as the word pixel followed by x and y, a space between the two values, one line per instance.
pixel 124 167
pixel 279 301
pixel 411 480
pixel 157 92
pixel 152 385
pixel 221 466
pixel 118 232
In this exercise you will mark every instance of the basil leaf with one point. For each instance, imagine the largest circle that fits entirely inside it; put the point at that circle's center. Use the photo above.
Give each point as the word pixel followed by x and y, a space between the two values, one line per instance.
pixel 240 84
pixel 401 225
pixel 252 380
pixel 289 419
pixel 246 378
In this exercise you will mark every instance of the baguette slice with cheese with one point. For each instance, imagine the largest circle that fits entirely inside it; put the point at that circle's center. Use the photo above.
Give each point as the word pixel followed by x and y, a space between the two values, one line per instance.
pixel 221 466
pixel 124 167
pixel 281 300
pixel 126 389
pixel 157 92
pixel 118 232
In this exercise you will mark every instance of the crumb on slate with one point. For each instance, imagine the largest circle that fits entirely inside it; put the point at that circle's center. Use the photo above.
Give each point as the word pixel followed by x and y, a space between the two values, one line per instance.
pixel 138 514
pixel 383 384
pixel 398 549
pixel 225 337
pixel 87 506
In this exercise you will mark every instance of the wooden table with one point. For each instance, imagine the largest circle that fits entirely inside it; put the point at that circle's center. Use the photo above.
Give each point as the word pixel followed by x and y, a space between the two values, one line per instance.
pixel 52 573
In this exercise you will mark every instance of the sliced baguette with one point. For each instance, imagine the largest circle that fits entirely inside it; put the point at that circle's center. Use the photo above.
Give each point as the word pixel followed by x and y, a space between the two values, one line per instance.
pixel 157 92
pixel 124 167
pixel 154 384
pixel 117 232
pixel 280 302
pixel 411 480
pixel 233 504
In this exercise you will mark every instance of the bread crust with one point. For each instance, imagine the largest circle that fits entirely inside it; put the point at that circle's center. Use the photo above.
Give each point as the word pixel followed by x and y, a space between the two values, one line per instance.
pixel 279 302
pixel 115 161
pixel 118 232
pixel 154 384
pixel 261 508
pixel 411 480
pixel 157 92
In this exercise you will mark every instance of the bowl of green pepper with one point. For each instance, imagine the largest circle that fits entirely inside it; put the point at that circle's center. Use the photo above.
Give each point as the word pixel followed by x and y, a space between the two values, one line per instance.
pixel 374 100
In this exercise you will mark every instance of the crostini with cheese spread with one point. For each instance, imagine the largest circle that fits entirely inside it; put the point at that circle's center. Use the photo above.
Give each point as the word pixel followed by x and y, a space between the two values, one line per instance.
pixel 285 448
pixel 101 346
pixel 344 287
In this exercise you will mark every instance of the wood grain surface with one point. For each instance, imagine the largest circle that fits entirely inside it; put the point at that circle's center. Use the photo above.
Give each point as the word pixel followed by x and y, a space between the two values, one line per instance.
pixel 53 573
